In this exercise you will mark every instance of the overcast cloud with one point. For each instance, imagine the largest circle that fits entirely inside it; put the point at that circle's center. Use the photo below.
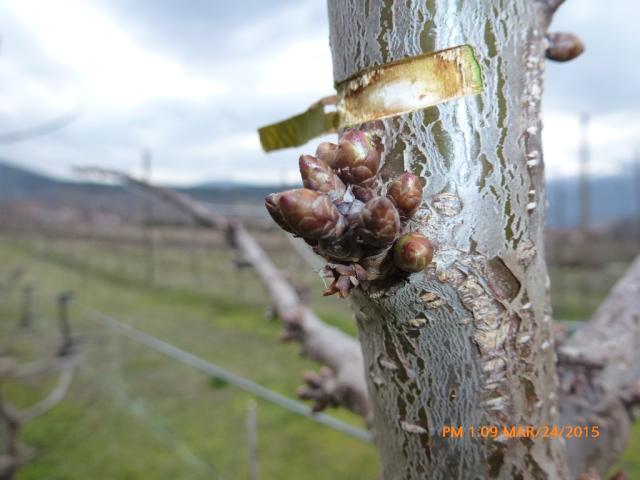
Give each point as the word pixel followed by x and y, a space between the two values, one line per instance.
pixel 192 81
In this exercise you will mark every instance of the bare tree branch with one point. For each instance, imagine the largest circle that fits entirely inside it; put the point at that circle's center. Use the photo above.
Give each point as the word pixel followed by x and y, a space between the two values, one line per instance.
pixel 323 343
pixel 554 4
pixel 12 420
pixel 9 459
pixel 33 369
pixel 40 130
pixel 547 9
pixel 67 370
pixel 599 369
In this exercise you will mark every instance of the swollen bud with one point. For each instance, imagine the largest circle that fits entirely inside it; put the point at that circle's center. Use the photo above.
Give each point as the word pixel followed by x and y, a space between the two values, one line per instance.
pixel 271 203
pixel 563 46
pixel 326 152
pixel 317 175
pixel 379 223
pixel 412 252
pixel 310 214
pixel 406 193
pixel 357 159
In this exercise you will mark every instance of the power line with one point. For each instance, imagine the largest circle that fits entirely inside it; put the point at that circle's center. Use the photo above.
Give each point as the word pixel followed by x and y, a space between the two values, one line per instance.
pixel 229 377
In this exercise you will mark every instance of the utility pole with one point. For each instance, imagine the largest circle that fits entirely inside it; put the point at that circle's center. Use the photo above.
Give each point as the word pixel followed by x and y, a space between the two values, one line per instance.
pixel 584 207
pixel 26 318
pixel 147 220
pixel 252 439
pixel 584 212
pixel 636 188
pixel 560 206
pixel 67 343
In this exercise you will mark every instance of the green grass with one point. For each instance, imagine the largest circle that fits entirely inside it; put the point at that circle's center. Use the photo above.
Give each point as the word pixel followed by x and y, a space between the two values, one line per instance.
pixel 577 292
pixel 135 414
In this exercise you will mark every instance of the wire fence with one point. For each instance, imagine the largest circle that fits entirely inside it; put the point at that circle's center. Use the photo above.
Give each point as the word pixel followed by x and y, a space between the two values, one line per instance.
pixel 119 392
pixel 218 372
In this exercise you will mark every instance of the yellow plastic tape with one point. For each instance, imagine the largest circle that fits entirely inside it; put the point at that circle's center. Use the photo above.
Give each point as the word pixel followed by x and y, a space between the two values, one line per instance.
pixel 388 90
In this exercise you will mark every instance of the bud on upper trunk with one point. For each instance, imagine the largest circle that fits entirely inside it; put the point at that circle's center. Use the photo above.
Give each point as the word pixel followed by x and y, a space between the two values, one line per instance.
pixel 563 46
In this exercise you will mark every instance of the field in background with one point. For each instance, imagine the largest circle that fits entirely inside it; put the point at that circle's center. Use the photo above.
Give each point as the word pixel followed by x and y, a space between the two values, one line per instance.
pixel 133 413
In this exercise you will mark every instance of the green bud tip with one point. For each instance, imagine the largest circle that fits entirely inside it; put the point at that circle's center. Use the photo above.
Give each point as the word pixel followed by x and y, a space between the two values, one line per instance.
pixel 412 252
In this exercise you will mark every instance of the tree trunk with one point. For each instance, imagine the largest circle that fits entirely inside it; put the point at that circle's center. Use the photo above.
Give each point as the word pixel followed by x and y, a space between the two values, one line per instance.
pixel 481 352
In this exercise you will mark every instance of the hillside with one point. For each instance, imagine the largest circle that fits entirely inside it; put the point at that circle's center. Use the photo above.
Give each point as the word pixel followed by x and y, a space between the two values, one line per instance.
pixel 21 185
pixel 613 198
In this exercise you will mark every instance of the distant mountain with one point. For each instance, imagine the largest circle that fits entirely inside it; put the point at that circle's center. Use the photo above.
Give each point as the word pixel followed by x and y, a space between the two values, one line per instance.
pixel 613 198
pixel 222 184
pixel 18 184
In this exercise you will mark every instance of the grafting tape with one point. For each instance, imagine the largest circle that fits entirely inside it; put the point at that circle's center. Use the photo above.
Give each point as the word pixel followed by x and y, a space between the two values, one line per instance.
pixel 404 86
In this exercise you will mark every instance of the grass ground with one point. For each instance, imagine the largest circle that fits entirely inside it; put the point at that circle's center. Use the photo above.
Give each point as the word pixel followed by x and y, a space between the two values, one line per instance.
pixel 134 414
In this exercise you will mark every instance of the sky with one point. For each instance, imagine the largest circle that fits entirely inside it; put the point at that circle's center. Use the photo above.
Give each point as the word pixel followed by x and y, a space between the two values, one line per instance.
pixel 192 81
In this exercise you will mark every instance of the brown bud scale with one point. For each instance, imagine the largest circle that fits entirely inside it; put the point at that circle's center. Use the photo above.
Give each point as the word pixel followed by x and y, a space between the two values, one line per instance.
pixel 357 159
pixel 326 152
pixel 379 223
pixel 406 193
pixel 317 175
pixel 311 214
pixel 271 203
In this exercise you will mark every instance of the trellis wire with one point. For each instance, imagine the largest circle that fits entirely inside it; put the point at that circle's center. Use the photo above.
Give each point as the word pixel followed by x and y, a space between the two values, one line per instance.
pixel 229 377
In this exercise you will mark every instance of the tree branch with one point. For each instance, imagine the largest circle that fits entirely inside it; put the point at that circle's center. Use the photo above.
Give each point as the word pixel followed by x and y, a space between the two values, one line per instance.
pixel 32 369
pixel 323 343
pixel 547 9
pixel 12 420
pixel 67 369
pixel 599 369
pixel 40 130
pixel 9 459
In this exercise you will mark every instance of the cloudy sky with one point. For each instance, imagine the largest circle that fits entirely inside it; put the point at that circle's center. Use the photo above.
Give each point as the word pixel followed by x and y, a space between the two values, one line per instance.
pixel 191 82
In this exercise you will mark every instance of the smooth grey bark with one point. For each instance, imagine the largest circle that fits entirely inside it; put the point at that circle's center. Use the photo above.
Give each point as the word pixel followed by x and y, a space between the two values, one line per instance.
pixel 468 342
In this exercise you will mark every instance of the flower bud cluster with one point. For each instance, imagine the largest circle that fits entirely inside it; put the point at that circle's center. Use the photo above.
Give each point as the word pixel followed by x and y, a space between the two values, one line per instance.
pixel 343 214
